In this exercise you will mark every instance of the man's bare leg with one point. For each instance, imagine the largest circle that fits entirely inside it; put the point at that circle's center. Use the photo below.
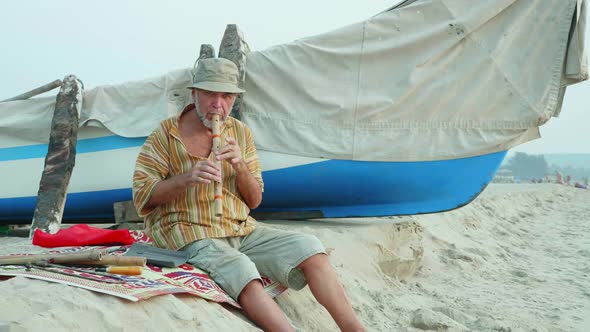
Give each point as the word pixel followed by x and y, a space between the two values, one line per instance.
pixel 262 309
pixel 326 288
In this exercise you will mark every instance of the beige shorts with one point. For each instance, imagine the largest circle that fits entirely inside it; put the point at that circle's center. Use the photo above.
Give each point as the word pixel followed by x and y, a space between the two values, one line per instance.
pixel 235 261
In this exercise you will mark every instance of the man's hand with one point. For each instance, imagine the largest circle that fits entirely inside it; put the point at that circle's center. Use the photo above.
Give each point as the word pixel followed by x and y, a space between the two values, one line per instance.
pixel 231 151
pixel 203 172
pixel 166 190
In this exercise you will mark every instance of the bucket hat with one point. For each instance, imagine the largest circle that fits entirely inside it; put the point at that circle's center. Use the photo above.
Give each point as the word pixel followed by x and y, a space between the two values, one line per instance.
pixel 216 74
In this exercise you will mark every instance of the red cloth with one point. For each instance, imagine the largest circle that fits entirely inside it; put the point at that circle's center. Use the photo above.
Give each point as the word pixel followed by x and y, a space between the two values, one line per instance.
pixel 81 235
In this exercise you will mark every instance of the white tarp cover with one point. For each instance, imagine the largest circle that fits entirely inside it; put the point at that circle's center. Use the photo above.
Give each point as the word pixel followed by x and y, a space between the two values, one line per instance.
pixel 428 80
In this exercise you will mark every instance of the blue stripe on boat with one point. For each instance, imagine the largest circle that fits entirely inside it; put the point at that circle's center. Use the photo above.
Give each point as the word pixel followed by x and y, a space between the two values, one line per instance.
pixel 336 188
pixel 82 146
pixel 95 204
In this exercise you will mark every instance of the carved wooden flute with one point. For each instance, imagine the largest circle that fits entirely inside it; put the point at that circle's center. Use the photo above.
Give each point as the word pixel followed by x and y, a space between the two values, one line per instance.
pixel 216 147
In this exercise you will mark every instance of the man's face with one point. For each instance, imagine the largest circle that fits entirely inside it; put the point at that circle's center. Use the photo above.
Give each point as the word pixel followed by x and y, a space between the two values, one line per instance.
pixel 208 103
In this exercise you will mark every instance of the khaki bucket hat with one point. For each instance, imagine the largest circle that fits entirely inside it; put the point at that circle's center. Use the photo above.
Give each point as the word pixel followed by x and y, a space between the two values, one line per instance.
pixel 216 74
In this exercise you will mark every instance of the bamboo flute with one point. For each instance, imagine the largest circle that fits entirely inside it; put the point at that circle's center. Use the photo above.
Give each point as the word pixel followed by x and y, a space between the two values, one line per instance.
pixel 216 137
pixel 117 261
pixel 94 256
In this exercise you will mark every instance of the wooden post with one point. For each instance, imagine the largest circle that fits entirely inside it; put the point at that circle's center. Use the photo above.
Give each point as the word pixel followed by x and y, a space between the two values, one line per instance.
pixel 125 212
pixel 234 47
pixel 60 159
pixel 207 51
pixel 37 91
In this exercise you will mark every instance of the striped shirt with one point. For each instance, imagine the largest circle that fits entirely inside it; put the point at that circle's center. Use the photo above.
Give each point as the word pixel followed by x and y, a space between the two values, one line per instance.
pixel 191 215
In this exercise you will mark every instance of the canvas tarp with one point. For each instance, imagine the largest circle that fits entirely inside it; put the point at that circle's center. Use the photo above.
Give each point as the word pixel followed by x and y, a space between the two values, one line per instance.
pixel 427 80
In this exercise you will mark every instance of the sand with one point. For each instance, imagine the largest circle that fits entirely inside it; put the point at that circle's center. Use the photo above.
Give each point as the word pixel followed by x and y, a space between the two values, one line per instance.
pixel 515 259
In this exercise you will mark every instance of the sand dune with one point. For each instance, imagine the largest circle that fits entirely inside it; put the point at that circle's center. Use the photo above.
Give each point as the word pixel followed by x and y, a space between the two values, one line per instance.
pixel 515 259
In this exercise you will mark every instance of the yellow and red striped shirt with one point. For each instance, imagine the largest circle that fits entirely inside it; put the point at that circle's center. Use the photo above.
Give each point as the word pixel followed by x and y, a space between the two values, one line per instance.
pixel 191 215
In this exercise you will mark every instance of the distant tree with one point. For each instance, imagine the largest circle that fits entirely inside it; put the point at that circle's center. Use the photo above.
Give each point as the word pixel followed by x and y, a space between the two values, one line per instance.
pixel 527 166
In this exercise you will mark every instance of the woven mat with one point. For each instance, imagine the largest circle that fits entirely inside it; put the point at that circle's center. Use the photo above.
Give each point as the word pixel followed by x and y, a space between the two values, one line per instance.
pixel 153 281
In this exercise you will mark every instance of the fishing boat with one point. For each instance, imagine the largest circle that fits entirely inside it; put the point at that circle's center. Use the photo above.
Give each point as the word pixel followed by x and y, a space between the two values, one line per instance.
pixel 410 111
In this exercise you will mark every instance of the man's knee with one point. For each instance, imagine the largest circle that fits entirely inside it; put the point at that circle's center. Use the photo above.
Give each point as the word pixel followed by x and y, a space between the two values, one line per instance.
pixel 253 288
pixel 317 261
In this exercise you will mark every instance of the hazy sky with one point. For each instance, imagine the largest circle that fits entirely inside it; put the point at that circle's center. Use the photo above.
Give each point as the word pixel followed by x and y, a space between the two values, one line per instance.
pixel 108 42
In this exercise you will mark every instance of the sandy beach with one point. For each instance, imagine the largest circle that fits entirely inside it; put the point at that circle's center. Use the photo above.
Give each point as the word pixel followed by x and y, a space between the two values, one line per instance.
pixel 515 259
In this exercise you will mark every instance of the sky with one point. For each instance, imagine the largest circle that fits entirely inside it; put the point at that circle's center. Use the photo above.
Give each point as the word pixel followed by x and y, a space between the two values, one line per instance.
pixel 110 42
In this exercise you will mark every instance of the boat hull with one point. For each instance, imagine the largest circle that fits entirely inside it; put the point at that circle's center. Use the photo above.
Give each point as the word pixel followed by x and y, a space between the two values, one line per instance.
pixel 344 188
pixel 295 187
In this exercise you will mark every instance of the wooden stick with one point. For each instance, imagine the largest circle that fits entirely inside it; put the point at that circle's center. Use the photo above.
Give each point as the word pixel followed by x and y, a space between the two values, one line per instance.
pixel 216 147
pixel 60 159
pixel 93 256
pixel 117 261
pixel 37 91
pixel 207 51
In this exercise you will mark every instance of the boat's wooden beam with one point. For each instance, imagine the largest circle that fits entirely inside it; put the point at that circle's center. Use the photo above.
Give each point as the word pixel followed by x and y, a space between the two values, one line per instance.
pixel 234 47
pixel 60 159
pixel 37 91
pixel 125 212
pixel 207 51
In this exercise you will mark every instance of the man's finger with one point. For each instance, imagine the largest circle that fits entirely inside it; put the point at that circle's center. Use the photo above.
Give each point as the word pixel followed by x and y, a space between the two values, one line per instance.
pixel 213 177
pixel 209 167
pixel 211 170
pixel 210 163
pixel 201 179
pixel 224 155
pixel 224 150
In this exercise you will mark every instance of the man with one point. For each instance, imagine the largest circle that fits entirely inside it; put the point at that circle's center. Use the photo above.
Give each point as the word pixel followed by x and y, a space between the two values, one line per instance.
pixel 173 189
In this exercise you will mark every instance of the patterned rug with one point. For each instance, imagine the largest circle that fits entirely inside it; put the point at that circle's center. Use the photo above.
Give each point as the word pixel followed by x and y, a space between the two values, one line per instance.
pixel 153 281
